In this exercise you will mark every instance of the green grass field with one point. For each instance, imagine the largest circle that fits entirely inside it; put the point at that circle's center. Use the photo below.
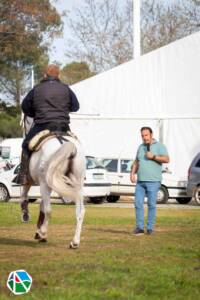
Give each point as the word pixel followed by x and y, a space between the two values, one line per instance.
pixel 111 263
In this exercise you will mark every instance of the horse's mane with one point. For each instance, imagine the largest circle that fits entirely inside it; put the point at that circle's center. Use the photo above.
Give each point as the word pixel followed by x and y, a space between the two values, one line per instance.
pixel 58 172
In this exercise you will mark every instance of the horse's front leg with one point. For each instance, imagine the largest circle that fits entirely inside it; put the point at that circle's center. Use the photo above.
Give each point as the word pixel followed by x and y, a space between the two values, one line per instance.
pixel 80 212
pixel 44 215
pixel 25 216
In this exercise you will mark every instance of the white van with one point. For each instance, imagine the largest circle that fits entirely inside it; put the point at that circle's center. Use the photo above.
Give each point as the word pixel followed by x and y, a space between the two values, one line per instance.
pixel 10 150
pixel 119 174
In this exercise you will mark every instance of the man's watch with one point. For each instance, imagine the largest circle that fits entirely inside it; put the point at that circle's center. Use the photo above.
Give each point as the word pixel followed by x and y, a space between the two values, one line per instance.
pixel 154 157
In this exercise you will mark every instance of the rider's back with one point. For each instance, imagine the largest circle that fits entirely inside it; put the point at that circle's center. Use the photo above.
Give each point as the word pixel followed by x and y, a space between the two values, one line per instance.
pixel 51 101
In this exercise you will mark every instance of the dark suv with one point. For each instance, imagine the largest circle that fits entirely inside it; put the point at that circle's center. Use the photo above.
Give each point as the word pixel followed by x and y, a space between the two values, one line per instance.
pixel 193 185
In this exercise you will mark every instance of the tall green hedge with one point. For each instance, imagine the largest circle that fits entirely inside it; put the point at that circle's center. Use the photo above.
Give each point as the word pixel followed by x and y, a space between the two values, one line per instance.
pixel 10 125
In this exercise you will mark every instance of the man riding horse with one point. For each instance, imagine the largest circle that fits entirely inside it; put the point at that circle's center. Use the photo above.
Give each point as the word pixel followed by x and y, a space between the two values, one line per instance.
pixel 49 104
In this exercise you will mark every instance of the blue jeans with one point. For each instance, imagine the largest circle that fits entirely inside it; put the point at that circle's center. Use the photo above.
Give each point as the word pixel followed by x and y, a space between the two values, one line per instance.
pixel 150 190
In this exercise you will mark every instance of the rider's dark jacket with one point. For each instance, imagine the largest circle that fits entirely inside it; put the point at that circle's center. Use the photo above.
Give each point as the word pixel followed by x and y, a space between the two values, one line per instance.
pixel 50 101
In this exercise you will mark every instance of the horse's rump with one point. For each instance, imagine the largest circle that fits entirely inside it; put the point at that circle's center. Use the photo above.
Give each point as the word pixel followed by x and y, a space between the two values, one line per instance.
pixel 59 172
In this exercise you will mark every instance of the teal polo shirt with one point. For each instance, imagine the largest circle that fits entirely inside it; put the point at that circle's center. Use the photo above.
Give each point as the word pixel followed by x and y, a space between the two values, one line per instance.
pixel 150 170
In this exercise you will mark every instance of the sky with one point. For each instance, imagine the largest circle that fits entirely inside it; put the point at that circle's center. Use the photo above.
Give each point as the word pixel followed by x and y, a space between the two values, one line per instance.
pixel 59 45
pixel 57 52
pixel 58 48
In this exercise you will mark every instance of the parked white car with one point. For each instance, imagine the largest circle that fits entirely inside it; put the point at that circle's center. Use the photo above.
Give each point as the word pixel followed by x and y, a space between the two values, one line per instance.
pixel 119 174
pixel 10 150
pixel 96 186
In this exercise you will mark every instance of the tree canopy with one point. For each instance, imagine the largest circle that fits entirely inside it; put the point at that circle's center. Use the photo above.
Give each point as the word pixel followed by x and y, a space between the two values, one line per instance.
pixel 24 26
pixel 75 72
pixel 9 121
pixel 26 29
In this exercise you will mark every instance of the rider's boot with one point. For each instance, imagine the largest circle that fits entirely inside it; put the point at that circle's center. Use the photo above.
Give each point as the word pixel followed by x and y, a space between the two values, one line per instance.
pixel 23 177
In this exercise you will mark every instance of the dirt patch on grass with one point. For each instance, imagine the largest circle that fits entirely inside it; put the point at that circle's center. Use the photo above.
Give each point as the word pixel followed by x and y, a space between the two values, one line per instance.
pixel 168 229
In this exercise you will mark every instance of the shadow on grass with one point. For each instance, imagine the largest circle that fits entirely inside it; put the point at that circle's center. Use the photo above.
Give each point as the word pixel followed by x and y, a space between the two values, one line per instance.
pixel 110 230
pixel 18 242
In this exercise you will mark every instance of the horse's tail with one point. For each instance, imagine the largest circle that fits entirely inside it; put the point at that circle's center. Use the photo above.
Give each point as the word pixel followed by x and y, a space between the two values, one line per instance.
pixel 58 172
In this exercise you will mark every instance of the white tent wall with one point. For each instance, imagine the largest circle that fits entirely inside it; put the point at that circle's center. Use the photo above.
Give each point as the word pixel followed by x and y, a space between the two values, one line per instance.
pixel 111 137
pixel 182 139
pixel 162 85
pixel 121 138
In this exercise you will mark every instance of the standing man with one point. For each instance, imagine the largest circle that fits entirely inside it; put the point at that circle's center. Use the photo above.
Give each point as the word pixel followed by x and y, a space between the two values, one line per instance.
pixel 49 104
pixel 148 166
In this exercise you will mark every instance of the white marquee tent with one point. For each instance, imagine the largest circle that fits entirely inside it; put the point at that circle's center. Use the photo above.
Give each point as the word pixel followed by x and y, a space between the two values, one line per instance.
pixel 160 89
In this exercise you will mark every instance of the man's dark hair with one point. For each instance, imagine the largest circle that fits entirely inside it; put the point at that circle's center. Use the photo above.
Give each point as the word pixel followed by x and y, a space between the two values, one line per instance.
pixel 146 128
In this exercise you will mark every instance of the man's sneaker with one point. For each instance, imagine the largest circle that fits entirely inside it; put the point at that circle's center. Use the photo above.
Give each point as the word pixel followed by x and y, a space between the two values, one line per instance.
pixel 138 231
pixel 149 231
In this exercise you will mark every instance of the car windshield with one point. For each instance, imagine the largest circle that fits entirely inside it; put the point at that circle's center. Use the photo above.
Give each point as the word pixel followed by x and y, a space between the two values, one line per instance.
pixel 126 165
pixel 198 164
pixel 110 164
pixel 5 152
pixel 93 163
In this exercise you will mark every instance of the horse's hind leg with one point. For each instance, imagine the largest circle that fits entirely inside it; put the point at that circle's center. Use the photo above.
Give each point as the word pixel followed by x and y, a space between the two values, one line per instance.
pixel 44 215
pixel 25 216
pixel 80 212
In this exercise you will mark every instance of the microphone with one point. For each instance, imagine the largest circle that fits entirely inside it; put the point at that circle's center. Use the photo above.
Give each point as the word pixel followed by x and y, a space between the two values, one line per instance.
pixel 148 147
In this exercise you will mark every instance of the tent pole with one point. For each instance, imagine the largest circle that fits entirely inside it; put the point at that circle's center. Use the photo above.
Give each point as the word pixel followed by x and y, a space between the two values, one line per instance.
pixel 161 130
pixel 136 29
pixel 32 77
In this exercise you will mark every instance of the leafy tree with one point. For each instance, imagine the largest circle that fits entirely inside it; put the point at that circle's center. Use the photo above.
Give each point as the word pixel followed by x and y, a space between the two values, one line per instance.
pixel 75 72
pixel 12 82
pixel 9 121
pixel 10 126
pixel 39 67
pixel 22 27
pixel 163 23
pixel 102 35
pixel 26 29
pixel 11 110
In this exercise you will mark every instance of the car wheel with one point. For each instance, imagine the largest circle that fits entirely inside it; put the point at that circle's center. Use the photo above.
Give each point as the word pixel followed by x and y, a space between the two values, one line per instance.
pixel 163 195
pixel 183 200
pixel 97 200
pixel 4 194
pixel 197 195
pixel 112 199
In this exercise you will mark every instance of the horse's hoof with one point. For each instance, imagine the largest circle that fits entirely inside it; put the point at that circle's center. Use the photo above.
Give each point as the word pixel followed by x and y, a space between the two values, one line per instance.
pixel 42 240
pixel 73 245
pixel 25 217
pixel 37 236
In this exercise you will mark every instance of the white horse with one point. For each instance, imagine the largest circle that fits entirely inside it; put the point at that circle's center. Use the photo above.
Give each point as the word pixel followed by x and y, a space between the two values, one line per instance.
pixel 60 168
